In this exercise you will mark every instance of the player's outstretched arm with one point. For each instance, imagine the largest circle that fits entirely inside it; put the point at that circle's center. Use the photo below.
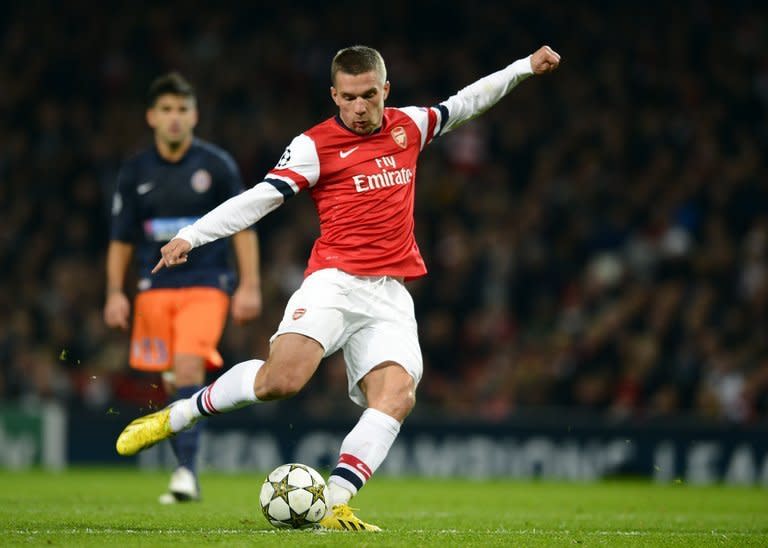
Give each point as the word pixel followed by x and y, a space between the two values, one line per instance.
pixel 481 95
pixel 230 217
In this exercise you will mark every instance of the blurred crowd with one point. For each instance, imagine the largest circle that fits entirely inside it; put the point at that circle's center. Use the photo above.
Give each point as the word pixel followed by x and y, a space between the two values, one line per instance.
pixel 598 240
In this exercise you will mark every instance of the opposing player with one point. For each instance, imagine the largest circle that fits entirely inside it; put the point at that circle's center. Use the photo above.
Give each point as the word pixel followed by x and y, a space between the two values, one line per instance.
pixel 179 314
pixel 360 168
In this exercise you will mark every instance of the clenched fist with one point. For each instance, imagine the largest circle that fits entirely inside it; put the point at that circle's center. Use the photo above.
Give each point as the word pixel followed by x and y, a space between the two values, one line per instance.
pixel 544 59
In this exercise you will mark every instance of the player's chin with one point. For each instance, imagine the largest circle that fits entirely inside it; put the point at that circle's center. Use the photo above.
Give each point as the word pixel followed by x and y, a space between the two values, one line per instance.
pixel 361 128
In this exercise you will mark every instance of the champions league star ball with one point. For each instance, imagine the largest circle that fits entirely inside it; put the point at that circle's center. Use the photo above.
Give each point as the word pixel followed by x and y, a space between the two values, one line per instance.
pixel 293 496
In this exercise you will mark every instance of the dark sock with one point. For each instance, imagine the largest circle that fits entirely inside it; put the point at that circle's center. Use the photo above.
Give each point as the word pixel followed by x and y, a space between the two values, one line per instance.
pixel 186 443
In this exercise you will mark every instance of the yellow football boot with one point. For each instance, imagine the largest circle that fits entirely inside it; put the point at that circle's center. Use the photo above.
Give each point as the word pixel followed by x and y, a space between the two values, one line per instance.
pixel 144 432
pixel 342 517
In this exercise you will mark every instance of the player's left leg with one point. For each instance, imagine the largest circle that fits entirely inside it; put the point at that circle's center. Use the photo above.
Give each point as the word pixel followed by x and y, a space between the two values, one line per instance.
pixel 390 392
pixel 384 367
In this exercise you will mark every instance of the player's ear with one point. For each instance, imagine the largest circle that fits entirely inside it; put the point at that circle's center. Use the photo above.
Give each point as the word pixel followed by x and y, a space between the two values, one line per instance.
pixel 151 121
pixel 335 95
pixel 385 90
pixel 195 116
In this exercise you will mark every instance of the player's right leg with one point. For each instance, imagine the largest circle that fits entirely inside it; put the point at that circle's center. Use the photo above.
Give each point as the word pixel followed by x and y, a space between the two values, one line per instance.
pixel 293 359
pixel 313 326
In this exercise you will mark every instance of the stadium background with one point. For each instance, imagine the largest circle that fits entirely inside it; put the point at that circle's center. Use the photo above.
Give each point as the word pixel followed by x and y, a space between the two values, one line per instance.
pixel 597 243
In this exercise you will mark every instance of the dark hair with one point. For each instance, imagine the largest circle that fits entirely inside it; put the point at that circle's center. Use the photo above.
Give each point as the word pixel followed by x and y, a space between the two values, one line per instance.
pixel 358 60
pixel 172 83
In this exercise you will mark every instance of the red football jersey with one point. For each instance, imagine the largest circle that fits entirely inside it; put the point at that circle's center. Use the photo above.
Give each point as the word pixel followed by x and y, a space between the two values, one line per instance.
pixel 363 186
pixel 363 189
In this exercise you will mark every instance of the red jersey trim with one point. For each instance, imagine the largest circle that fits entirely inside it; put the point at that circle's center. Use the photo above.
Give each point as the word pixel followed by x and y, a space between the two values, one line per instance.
pixel 431 123
pixel 300 181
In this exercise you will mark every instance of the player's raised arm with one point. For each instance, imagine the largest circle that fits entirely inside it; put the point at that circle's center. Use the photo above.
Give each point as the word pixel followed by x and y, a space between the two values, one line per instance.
pixel 481 95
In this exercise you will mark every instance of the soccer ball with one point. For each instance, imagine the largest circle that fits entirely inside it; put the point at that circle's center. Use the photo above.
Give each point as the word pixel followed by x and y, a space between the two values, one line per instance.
pixel 294 495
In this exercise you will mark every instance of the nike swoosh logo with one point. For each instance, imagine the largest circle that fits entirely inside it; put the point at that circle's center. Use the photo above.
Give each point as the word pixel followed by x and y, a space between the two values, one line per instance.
pixel 143 188
pixel 345 153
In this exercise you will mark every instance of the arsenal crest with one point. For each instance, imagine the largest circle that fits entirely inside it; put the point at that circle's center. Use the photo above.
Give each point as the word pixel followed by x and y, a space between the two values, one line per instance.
pixel 298 313
pixel 398 134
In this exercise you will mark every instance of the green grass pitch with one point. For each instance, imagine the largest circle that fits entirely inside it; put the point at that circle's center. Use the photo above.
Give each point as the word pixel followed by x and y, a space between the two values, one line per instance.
pixel 117 507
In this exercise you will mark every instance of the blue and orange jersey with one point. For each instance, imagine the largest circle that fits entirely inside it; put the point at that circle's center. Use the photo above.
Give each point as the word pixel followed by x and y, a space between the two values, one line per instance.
pixel 154 198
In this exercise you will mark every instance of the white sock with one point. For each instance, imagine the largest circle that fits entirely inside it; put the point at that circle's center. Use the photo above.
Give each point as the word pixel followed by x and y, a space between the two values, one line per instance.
pixel 362 452
pixel 233 390
pixel 337 494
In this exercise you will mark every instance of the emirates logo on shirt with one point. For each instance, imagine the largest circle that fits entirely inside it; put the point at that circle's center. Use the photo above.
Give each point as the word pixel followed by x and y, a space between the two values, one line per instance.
pixel 398 134
pixel 298 313
pixel 388 175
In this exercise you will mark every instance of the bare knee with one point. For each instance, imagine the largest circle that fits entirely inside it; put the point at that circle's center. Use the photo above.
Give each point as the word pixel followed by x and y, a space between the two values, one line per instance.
pixel 391 390
pixel 276 385
pixel 293 359
pixel 399 404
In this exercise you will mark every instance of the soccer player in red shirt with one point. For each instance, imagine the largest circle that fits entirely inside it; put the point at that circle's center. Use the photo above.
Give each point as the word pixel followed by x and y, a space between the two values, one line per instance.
pixel 360 169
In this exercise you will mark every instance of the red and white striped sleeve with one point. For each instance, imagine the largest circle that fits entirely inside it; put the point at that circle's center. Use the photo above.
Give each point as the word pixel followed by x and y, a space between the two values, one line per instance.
pixel 427 120
pixel 298 168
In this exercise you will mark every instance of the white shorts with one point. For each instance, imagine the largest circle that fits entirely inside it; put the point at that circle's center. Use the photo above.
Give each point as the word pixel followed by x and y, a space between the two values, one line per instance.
pixel 370 318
